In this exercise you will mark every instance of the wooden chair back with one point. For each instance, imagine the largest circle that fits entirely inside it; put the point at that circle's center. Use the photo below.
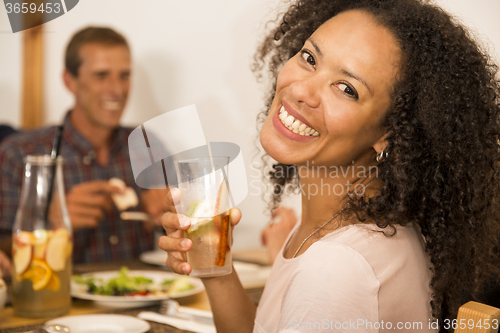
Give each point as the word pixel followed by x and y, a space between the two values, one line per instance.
pixel 474 317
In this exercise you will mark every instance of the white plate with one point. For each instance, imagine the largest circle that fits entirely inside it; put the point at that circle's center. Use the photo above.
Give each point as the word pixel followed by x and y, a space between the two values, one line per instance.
pixel 251 275
pixel 157 257
pixel 102 323
pixel 80 290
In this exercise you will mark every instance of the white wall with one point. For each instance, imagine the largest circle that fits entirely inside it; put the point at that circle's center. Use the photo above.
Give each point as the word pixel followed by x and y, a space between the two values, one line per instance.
pixel 10 72
pixel 481 16
pixel 185 52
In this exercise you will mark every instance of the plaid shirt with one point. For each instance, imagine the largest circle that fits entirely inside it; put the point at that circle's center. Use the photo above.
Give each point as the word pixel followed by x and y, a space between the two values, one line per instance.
pixel 113 239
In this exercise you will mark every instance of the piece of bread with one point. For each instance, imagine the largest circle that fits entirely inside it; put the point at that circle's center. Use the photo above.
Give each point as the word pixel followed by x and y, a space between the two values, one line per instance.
pixel 126 199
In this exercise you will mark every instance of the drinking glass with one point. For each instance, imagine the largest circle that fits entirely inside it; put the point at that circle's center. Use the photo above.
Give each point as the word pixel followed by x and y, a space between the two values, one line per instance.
pixel 205 200
pixel 42 243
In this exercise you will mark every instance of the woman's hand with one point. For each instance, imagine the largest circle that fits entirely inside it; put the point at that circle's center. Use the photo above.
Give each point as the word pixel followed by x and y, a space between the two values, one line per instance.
pixel 174 242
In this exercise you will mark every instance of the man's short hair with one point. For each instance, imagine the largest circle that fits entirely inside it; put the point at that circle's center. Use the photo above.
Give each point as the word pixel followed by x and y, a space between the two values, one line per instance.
pixel 99 35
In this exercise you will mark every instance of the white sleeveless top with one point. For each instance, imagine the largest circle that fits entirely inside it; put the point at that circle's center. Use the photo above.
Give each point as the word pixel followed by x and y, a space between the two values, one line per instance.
pixel 354 279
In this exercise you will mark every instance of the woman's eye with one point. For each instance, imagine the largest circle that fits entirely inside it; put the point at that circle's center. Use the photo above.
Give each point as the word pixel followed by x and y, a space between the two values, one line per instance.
pixel 308 57
pixel 346 89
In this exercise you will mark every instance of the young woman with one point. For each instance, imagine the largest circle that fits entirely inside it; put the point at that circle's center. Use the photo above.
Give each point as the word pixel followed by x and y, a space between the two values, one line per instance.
pixel 385 113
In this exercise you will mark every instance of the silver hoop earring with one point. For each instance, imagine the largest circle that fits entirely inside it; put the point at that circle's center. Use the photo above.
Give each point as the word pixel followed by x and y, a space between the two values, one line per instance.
pixel 382 156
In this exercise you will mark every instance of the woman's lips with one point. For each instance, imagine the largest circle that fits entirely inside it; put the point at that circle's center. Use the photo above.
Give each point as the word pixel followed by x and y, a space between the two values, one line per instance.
pixel 295 125
pixel 292 112
pixel 289 133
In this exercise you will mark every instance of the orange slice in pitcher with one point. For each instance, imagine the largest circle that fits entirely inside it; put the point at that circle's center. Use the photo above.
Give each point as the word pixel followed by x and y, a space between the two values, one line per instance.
pixel 54 283
pixel 41 274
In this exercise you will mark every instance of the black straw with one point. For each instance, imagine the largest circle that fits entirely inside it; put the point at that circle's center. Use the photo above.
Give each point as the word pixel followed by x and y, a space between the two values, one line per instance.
pixel 53 155
pixel 57 142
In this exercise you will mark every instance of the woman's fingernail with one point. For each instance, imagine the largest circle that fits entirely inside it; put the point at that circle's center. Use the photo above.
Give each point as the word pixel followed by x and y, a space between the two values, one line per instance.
pixel 184 221
pixel 184 269
pixel 176 194
pixel 185 243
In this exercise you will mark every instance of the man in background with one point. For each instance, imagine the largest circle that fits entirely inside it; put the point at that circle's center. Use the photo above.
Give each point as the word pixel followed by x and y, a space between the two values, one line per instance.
pixel 95 149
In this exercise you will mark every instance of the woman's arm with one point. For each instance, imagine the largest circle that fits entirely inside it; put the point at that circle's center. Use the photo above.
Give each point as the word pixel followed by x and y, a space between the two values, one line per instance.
pixel 232 308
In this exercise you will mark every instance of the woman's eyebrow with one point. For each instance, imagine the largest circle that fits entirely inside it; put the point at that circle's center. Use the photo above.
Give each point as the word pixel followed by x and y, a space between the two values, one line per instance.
pixel 343 71
pixel 315 47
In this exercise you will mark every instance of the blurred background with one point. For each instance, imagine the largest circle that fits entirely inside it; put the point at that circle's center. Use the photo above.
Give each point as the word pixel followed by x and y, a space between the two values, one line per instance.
pixel 186 52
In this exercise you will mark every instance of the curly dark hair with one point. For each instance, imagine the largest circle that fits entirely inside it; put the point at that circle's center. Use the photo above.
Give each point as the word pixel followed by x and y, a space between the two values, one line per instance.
pixel 443 130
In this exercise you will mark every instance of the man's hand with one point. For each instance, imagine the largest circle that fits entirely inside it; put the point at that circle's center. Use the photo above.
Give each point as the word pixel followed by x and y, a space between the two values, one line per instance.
pixel 274 235
pixel 5 265
pixel 155 203
pixel 87 203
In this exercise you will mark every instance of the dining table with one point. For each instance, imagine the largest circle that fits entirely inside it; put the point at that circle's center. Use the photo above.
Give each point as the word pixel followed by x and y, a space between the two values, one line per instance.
pixel 11 323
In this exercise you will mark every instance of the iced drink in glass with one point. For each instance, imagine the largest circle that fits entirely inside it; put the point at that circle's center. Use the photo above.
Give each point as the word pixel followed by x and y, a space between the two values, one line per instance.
pixel 205 200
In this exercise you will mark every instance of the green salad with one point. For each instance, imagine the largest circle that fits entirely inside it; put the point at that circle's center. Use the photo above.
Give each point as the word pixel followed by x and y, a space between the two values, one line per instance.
pixel 126 285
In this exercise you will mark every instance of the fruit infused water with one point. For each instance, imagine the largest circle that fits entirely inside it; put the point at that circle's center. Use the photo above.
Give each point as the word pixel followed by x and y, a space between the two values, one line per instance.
pixel 42 271
pixel 205 199
pixel 42 243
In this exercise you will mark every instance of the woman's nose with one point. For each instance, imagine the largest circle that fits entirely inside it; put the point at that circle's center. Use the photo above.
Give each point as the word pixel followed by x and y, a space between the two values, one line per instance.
pixel 307 90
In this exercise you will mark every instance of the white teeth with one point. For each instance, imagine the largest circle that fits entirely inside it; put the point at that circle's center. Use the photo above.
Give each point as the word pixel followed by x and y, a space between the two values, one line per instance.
pixel 296 126
pixel 283 113
pixel 289 120
pixel 111 105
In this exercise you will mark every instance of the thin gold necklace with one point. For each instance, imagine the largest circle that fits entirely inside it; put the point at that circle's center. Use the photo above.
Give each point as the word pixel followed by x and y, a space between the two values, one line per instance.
pixel 319 228
pixel 314 232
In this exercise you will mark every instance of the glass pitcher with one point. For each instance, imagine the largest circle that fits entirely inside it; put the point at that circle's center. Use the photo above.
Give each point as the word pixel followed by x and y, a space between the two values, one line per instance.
pixel 42 243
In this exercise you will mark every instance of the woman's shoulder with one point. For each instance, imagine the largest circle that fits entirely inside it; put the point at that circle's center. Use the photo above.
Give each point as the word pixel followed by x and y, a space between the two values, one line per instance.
pixel 328 261
pixel 357 272
pixel 327 264
pixel 395 250
pixel 368 236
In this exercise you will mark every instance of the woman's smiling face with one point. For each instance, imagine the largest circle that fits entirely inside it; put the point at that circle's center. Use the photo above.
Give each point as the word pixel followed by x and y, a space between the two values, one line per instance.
pixel 334 93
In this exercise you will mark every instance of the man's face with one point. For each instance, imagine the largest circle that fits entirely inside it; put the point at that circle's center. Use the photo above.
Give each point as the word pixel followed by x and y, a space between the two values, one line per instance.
pixel 102 85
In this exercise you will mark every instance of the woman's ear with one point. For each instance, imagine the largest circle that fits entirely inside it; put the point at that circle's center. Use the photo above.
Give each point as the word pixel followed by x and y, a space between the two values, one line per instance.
pixel 381 144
